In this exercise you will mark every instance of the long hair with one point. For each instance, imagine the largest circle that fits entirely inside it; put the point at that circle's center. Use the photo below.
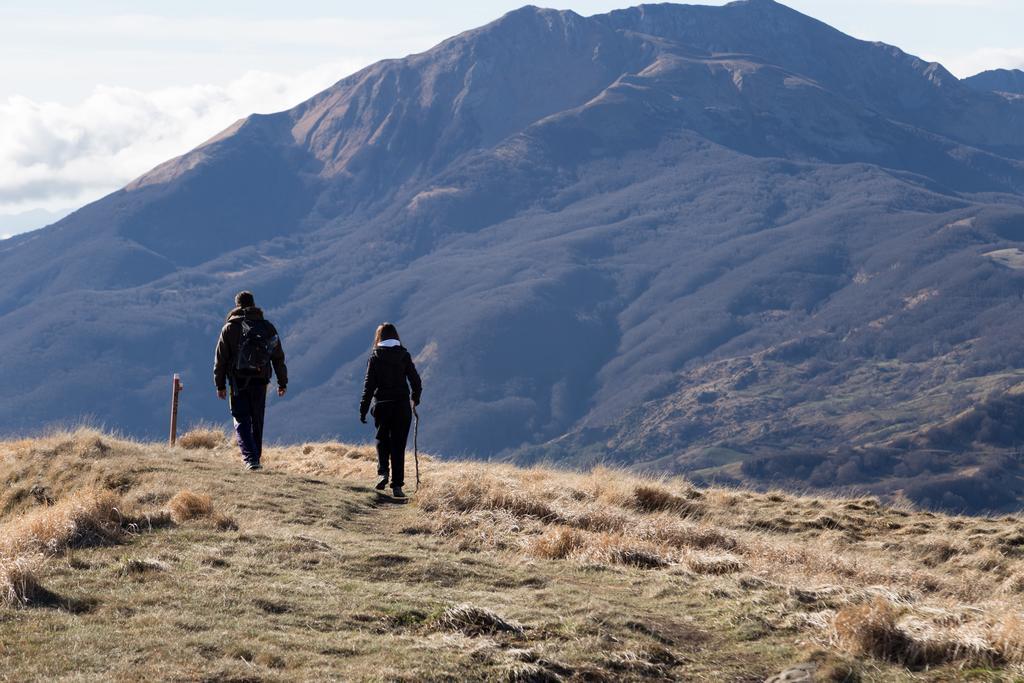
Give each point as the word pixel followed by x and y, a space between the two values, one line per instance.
pixel 385 331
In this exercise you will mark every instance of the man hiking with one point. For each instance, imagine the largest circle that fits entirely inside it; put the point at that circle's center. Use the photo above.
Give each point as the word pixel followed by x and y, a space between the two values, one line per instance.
pixel 248 354
pixel 389 374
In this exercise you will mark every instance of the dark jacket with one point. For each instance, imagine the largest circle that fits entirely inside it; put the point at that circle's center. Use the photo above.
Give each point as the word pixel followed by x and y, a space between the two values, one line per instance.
pixel 389 374
pixel 227 349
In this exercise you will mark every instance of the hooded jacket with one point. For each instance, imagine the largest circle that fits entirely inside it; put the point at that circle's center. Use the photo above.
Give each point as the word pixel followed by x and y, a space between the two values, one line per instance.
pixel 227 349
pixel 389 374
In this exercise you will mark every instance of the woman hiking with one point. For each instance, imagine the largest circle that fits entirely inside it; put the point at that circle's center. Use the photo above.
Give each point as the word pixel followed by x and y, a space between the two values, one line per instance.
pixel 390 373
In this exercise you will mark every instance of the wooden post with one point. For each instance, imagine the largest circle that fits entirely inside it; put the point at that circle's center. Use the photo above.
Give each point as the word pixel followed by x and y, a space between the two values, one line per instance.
pixel 176 388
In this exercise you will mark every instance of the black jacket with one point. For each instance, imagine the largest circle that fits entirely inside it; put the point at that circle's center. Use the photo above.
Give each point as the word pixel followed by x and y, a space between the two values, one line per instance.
pixel 227 349
pixel 389 374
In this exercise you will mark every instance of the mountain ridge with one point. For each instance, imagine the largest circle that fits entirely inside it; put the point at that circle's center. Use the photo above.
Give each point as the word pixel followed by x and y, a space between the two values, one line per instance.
pixel 998 80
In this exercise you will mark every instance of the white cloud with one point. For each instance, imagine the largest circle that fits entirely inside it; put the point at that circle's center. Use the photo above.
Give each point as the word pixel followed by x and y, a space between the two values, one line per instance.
pixel 54 155
pixel 64 142
pixel 971 63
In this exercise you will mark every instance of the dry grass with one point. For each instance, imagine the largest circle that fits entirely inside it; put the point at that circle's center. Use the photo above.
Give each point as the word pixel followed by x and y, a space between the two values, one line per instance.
pixel 715 565
pixel 64 493
pixel 204 436
pixel 187 505
pixel 559 542
pixel 326 460
pixel 654 498
pixel 878 629
pixel 604 517
pixel 1008 637
pixel 223 521
pixel 19 580
pixel 475 621
pixel 871 629
pixel 888 578
pixel 89 517
pixel 900 588
pixel 52 467
pixel 133 566
pixel 562 542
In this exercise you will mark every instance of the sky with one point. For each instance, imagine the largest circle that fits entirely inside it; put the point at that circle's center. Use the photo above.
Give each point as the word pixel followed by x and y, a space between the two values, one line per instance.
pixel 93 94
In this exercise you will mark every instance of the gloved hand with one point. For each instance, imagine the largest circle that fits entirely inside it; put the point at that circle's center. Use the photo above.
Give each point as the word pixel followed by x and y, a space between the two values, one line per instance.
pixel 362 417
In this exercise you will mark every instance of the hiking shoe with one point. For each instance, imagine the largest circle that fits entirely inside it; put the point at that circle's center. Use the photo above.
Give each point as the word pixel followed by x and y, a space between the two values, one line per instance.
pixel 397 492
pixel 253 466
pixel 382 483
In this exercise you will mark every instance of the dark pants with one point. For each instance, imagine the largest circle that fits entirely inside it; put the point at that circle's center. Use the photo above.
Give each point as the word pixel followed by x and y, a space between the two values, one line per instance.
pixel 392 419
pixel 247 408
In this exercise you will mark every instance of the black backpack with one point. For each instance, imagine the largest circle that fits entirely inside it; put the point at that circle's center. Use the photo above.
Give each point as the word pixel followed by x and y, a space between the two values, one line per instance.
pixel 255 347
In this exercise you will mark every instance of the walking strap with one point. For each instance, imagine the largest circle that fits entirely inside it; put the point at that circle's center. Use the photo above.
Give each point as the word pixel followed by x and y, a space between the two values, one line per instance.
pixel 416 445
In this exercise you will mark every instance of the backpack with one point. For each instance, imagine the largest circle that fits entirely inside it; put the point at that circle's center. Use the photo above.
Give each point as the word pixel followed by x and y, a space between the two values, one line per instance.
pixel 255 346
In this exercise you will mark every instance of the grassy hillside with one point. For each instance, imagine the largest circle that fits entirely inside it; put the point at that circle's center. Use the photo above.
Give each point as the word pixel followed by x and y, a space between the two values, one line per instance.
pixel 122 560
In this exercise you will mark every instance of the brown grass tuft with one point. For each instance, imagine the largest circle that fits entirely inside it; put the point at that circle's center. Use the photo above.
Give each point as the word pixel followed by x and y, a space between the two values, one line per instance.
pixel 558 543
pixel 89 517
pixel 874 629
pixel 476 621
pixel 654 498
pixel 617 548
pixel 634 556
pixel 187 505
pixel 988 560
pixel 870 629
pixel 19 580
pixel 715 565
pixel 203 437
pixel 561 542
pixel 935 552
pixel 1008 638
pixel 679 533
pixel 134 566
pixel 224 522
pixel 1014 583
pixel 529 672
